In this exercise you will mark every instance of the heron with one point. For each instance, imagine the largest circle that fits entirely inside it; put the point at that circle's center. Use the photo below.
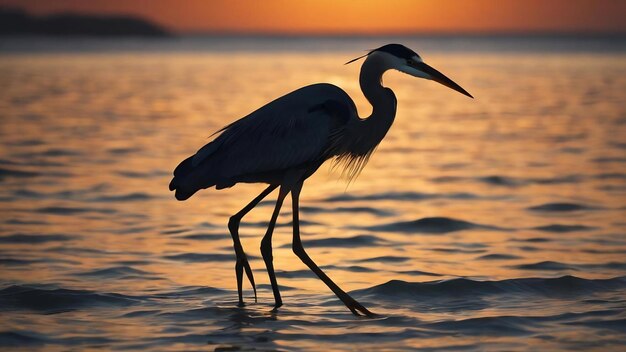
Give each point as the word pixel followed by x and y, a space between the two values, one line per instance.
pixel 285 141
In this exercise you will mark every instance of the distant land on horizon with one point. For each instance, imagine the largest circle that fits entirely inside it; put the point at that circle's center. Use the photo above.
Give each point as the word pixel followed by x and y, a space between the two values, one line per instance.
pixel 18 22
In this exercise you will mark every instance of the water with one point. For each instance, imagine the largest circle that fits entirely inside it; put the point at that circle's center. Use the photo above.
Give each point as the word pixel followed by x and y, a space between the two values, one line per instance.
pixel 487 224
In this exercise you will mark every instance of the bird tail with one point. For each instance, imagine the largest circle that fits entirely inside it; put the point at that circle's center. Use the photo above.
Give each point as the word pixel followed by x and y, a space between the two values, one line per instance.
pixel 188 180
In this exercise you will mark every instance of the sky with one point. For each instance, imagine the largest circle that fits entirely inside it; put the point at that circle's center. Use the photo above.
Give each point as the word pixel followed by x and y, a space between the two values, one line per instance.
pixel 356 17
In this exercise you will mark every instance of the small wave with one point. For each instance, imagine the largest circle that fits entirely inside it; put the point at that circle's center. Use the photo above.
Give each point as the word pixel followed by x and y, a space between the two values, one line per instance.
pixel 612 188
pixel 557 266
pixel 77 194
pixel 203 257
pixel 456 250
pixel 534 240
pixel 190 291
pixel 130 197
pixel 264 224
pixel 25 262
pixel 174 231
pixel 461 287
pixel 529 248
pixel 206 313
pixel 498 256
pixel 296 274
pixel 352 268
pixel 560 207
pixel 25 222
pixel 7 162
pixel 609 159
pixel 611 175
pixel 559 228
pixel 206 236
pixel 335 242
pixel 24 338
pixel 307 273
pixel 142 175
pixel 613 324
pixel 618 145
pixel 16 262
pixel 269 287
pixel 122 151
pixel 404 196
pixel 75 250
pixel 434 225
pixel 381 196
pixel 27 143
pixel 496 180
pixel 187 340
pixel 604 251
pixel 57 152
pixel 507 181
pixel 141 313
pixel 366 210
pixel 116 272
pixel 418 273
pixel 59 210
pixel 609 265
pixel 572 150
pixel 59 299
pixel 20 339
pixel 4 172
pixel 495 326
pixel 35 160
pixel 23 238
pixel 545 265
pixel 133 262
pixel 384 259
pixel 556 180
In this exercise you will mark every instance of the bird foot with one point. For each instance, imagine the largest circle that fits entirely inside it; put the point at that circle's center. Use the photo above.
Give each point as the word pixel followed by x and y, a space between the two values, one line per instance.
pixel 357 309
pixel 276 306
pixel 241 265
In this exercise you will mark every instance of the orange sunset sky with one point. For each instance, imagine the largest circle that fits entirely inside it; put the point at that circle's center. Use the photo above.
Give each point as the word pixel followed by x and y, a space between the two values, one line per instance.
pixel 356 17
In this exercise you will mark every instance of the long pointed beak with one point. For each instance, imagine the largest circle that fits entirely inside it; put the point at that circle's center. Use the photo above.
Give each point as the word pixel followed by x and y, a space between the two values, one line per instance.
pixel 440 78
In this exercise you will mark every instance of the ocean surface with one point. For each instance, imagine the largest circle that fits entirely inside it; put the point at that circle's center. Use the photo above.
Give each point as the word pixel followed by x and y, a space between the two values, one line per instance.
pixel 489 224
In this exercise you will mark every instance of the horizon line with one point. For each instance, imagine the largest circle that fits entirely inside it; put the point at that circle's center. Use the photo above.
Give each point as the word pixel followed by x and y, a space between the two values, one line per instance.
pixel 279 34
pixel 588 32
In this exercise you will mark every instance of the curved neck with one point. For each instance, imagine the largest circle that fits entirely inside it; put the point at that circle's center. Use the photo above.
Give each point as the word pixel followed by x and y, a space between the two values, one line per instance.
pixel 365 134
pixel 382 99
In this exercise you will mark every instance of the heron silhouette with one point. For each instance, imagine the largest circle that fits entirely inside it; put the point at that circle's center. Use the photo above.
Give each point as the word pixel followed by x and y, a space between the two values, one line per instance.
pixel 287 140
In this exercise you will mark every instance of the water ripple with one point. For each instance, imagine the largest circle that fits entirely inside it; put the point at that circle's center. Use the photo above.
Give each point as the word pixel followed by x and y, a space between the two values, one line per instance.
pixel 561 286
pixel 59 299
pixel 560 207
pixel 434 225
pixel 348 242
pixel 35 239
pixel 560 228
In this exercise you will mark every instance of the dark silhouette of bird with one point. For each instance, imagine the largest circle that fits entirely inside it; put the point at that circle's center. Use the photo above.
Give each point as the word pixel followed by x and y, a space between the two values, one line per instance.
pixel 284 142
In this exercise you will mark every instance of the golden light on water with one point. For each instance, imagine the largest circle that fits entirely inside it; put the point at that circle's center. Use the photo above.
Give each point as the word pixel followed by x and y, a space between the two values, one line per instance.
pixel 98 135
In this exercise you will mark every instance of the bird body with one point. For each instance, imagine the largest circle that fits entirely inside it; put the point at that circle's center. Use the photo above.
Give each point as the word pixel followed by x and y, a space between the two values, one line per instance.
pixel 293 131
pixel 287 140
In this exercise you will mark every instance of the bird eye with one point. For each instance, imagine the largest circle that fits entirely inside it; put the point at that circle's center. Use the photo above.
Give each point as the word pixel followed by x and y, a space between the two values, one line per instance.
pixel 410 61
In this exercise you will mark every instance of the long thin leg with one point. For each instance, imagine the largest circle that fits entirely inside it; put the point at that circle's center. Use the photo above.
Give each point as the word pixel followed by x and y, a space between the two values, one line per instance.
pixel 354 306
pixel 242 260
pixel 266 247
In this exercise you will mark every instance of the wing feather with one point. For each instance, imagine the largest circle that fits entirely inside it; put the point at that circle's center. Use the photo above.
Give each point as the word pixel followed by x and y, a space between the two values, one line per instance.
pixel 290 131
pixel 298 140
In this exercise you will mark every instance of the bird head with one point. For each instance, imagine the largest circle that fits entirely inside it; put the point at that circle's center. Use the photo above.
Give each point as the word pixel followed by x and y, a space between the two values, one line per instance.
pixel 399 57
